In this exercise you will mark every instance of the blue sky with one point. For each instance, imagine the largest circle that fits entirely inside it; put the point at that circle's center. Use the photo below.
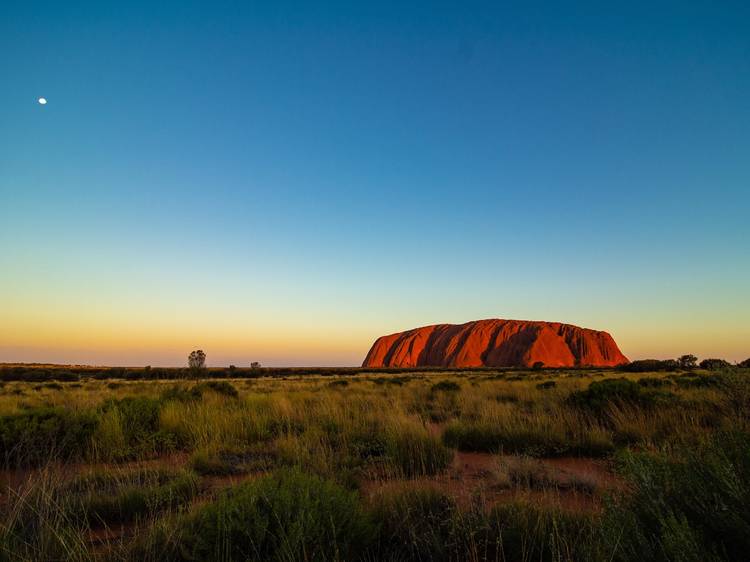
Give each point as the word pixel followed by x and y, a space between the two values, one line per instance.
pixel 286 182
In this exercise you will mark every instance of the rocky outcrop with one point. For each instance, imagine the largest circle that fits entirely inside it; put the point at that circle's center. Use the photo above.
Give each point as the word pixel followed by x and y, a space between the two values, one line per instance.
pixel 496 343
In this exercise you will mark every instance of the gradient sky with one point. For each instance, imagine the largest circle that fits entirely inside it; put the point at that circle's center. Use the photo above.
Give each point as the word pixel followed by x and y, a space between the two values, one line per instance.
pixel 286 182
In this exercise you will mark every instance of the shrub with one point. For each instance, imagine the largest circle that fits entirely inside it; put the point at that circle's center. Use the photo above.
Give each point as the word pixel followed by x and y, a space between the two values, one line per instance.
pixel 446 386
pixel 338 383
pixel 714 364
pixel 136 426
pixel 288 515
pixel 41 434
pixel 647 365
pixel 220 387
pixel 179 393
pixel 744 364
pixel 692 507
pixel 546 385
pixel 600 394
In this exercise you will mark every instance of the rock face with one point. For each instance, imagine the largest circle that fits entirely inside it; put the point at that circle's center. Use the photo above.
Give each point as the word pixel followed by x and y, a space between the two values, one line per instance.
pixel 496 343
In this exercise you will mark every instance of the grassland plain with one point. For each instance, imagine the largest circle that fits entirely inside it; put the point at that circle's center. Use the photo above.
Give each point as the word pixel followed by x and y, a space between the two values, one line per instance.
pixel 359 465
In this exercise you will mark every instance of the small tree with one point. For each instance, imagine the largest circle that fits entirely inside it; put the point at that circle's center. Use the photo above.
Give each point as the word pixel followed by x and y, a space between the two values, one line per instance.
pixel 713 364
pixel 255 365
pixel 197 362
pixel 688 361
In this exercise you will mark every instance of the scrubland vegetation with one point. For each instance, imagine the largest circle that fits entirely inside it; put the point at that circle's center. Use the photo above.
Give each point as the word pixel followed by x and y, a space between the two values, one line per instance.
pixel 474 465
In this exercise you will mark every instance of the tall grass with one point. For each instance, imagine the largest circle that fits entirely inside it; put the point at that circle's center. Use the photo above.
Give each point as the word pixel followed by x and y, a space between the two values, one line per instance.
pixel 682 446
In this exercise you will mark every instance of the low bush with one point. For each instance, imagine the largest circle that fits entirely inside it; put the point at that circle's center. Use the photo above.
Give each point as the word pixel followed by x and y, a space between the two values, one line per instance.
pixel 339 383
pixel 220 387
pixel 130 427
pixel 600 394
pixel 695 506
pixel 446 386
pixel 648 365
pixel 288 515
pixel 39 435
pixel 714 364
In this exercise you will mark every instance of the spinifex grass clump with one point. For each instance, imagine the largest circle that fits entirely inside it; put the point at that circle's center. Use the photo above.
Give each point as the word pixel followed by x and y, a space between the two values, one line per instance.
pixel 412 451
pixel 692 505
pixel 421 524
pixel 601 394
pixel 288 515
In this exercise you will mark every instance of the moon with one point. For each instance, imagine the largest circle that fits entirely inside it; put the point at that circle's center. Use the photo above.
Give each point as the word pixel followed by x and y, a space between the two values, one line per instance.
pixel 42 101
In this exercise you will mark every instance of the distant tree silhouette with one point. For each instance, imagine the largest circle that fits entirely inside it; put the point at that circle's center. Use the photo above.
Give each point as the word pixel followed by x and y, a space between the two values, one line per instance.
pixel 688 361
pixel 714 364
pixel 197 362
pixel 744 364
pixel 255 365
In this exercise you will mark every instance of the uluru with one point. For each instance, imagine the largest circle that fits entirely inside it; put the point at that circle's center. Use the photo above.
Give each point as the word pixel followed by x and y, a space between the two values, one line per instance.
pixel 496 343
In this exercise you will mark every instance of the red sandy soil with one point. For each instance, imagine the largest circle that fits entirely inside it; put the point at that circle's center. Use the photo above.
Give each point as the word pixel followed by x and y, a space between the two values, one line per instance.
pixel 496 343
pixel 479 477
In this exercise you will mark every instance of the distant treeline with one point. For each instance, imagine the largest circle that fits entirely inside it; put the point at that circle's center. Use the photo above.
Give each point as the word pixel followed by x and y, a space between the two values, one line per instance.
pixel 649 365
pixel 63 373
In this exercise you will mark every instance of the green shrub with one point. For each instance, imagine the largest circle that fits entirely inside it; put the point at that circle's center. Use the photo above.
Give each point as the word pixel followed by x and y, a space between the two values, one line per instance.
pixel 42 434
pixel 178 393
pixel 138 420
pixel 600 394
pixel 220 387
pixel 695 506
pixel 288 515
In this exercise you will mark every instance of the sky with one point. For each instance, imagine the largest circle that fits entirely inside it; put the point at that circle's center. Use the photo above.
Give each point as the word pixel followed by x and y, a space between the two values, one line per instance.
pixel 285 182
